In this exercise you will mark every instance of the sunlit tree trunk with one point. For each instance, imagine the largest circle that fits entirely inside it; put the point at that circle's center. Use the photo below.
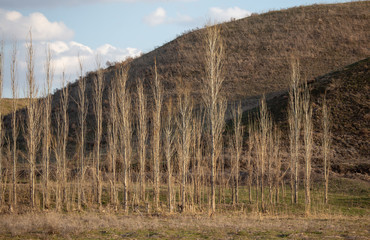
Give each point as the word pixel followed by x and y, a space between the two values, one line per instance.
pixel 295 119
pixel 47 125
pixel 15 125
pixel 326 145
pixel 82 112
pixel 308 145
pixel 158 99
pixel 142 135
pixel 33 120
pixel 215 106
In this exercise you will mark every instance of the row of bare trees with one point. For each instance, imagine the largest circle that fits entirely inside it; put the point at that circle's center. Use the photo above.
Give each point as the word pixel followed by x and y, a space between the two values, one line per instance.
pixel 173 152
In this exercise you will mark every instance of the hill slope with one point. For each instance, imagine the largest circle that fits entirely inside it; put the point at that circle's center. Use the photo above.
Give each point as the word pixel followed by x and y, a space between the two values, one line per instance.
pixel 259 48
pixel 258 52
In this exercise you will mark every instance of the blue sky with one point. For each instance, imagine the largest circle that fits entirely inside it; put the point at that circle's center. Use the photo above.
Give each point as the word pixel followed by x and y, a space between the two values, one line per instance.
pixel 113 29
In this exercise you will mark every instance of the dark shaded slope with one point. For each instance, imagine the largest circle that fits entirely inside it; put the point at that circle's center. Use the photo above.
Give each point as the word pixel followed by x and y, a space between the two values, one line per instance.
pixel 349 102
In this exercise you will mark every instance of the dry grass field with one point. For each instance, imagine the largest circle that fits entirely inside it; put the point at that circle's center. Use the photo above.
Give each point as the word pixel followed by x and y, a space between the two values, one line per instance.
pixel 220 226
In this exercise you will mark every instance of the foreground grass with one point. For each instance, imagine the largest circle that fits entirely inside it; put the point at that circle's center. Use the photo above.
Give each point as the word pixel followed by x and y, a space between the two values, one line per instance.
pixel 238 226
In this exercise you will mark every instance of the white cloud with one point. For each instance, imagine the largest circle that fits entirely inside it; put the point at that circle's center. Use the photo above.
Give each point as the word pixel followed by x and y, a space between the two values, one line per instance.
pixel 221 15
pixel 65 56
pixel 159 16
pixel 13 25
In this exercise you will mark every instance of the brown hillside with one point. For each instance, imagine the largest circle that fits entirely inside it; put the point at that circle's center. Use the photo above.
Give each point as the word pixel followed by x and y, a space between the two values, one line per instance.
pixel 258 48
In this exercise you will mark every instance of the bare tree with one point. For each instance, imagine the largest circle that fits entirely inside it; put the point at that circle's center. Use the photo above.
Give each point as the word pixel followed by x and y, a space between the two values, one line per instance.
pixel 60 144
pixel 125 128
pixel 264 130
pixel 142 135
pixel 238 145
pixel 113 138
pixel 47 126
pixel 308 145
pixel 185 108
pixel 169 151
pixel 251 144
pixel 158 101
pixel 198 124
pixel 295 120
pixel 212 83
pixel 33 119
pixel 278 174
pixel 326 144
pixel 15 125
pixel 82 112
pixel 98 110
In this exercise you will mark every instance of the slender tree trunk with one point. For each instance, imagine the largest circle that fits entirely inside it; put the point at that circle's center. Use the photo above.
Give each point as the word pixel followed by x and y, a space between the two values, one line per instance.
pixel 264 129
pixel 168 152
pixel 125 130
pixel 326 145
pixel 15 126
pixel 113 139
pixel 98 110
pixel 33 119
pixel 214 104
pixel 47 125
pixel 308 143
pixel 82 112
pixel 295 119
pixel 238 144
pixel 158 99
pixel 142 134
pixel 184 138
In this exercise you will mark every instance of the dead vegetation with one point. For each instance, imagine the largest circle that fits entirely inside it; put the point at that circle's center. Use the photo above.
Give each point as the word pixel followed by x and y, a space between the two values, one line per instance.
pixel 107 225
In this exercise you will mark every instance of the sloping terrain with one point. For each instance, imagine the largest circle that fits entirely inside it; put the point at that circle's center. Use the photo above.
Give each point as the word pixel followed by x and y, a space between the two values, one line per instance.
pixel 258 52
pixel 259 48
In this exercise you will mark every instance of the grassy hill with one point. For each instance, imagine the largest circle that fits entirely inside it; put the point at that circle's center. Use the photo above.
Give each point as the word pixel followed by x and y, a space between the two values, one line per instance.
pixel 258 52
pixel 259 48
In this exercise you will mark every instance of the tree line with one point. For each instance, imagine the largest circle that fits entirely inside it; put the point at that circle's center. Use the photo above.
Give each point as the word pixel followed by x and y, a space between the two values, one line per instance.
pixel 172 156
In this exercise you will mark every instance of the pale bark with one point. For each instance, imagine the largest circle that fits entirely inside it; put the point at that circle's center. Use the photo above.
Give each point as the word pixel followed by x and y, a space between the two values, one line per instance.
pixel 15 125
pixel 142 135
pixel 47 125
pixel 212 83
pixel 295 120
pixel 82 112
pixel 158 101
pixel 308 145
pixel 33 120
pixel 326 145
